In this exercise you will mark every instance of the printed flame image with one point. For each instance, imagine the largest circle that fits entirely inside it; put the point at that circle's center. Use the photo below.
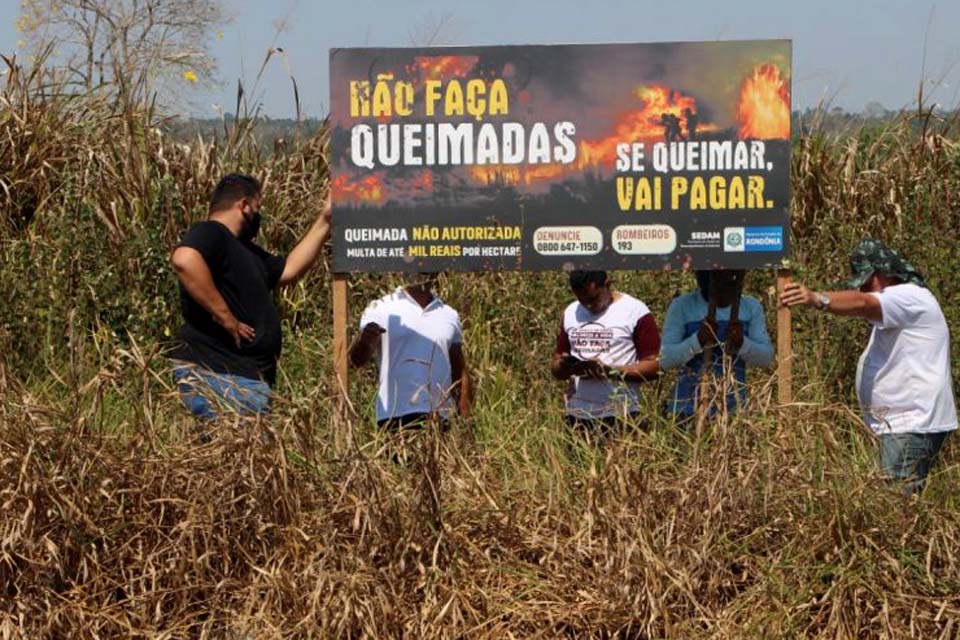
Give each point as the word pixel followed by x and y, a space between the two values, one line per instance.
pixel 495 174
pixel 541 172
pixel 643 124
pixel 763 110
pixel 423 182
pixel 372 189
pixel 502 175
pixel 368 189
pixel 445 67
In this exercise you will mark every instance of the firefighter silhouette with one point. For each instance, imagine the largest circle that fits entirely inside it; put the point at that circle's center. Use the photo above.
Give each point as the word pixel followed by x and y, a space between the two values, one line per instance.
pixel 671 127
pixel 691 121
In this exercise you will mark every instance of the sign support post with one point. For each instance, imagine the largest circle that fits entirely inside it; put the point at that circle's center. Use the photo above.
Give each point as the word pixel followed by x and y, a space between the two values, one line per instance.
pixel 784 342
pixel 340 363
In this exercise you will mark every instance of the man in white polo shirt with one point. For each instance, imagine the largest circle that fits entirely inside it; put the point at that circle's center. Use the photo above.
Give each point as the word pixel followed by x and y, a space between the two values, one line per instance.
pixel 903 378
pixel 423 373
pixel 608 344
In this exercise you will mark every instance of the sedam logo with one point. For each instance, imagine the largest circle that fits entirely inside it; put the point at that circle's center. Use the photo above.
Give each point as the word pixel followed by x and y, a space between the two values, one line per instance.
pixel 703 240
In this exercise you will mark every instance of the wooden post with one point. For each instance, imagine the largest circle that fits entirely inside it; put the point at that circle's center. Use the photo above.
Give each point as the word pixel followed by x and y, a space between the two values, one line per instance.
pixel 340 365
pixel 784 343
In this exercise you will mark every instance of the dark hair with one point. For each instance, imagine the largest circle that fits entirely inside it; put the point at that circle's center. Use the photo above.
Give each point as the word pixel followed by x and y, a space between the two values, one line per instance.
pixel 580 279
pixel 231 188
pixel 724 278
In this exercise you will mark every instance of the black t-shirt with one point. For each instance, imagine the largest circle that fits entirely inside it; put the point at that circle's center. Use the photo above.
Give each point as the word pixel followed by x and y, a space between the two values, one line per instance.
pixel 245 275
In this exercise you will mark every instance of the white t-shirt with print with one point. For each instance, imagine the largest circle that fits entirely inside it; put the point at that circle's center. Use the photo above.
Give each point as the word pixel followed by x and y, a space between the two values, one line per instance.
pixel 903 377
pixel 415 371
pixel 607 337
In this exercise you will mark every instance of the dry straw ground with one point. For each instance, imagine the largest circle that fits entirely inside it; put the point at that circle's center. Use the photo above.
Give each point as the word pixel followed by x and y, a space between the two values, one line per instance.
pixel 119 521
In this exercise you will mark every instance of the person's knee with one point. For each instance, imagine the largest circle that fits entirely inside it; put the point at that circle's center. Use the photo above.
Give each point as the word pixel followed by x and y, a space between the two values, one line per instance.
pixel 254 402
pixel 247 397
pixel 189 385
pixel 197 404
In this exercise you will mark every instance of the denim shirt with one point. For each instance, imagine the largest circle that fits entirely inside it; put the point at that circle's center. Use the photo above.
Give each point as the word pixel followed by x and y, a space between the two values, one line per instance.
pixel 681 348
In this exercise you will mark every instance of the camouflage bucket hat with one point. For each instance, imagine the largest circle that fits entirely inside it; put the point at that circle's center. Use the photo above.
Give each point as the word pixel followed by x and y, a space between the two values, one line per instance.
pixel 872 256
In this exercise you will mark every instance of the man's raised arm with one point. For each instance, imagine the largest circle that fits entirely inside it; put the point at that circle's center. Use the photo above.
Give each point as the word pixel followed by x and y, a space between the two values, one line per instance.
pixel 841 303
pixel 308 249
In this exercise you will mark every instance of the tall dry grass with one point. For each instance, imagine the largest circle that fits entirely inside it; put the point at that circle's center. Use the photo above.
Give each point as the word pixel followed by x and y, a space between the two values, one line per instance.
pixel 120 520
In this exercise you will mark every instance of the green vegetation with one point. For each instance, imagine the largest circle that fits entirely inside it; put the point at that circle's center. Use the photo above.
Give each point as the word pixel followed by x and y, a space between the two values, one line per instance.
pixel 118 521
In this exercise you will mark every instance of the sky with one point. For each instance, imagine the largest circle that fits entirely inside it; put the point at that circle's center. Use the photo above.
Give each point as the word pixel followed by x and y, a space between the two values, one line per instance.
pixel 846 53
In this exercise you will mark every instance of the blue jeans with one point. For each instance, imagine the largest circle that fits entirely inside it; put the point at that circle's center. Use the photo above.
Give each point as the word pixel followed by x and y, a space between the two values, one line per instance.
pixel 206 393
pixel 908 457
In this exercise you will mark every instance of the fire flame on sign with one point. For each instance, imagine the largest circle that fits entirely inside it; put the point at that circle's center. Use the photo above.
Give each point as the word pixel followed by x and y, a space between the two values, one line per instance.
pixel 373 189
pixel 503 175
pixel 445 67
pixel 367 189
pixel 422 182
pixel 643 124
pixel 495 174
pixel 763 110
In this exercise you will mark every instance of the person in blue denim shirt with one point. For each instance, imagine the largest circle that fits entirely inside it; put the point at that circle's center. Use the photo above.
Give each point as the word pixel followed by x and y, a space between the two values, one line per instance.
pixel 225 356
pixel 687 332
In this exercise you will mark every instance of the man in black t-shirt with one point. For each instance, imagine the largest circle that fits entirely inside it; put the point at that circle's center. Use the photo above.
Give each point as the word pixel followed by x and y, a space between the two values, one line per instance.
pixel 227 351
